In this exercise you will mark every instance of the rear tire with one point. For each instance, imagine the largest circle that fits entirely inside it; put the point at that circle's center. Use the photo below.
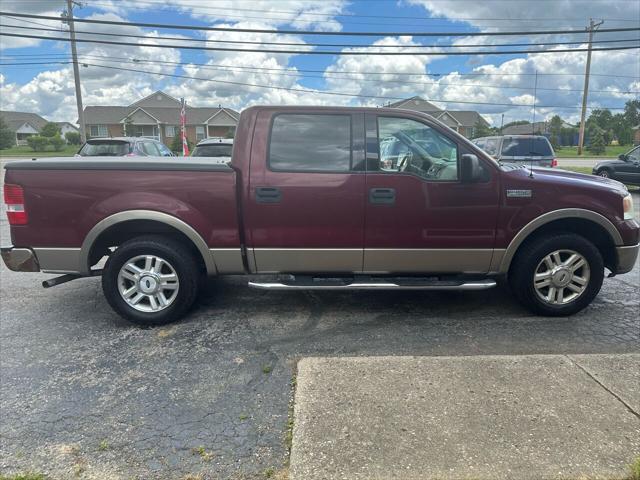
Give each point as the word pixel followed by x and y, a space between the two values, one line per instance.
pixel 558 275
pixel 151 280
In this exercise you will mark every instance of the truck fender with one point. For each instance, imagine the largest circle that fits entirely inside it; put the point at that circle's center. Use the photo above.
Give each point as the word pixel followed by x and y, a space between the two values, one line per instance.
pixel 504 261
pixel 129 215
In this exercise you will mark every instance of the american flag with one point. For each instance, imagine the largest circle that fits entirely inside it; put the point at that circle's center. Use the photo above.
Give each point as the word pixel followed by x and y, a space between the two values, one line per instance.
pixel 183 129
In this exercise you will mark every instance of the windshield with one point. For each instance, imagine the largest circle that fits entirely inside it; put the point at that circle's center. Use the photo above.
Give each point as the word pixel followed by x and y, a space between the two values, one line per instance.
pixel 526 147
pixel 105 148
pixel 221 150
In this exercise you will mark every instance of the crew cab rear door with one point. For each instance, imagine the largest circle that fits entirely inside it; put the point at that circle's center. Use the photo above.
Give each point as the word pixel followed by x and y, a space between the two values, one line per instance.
pixel 420 218
pixel 306 195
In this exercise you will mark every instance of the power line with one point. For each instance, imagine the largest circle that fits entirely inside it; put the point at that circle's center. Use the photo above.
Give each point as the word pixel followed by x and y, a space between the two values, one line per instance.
pixel 297 70
pixel 342 94
pixel 313 32
pixel 323 52
pixel 329 77
pixel 340 45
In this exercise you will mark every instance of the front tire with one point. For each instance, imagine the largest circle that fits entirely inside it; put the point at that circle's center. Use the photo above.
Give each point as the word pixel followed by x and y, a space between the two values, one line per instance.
pixel 557 276
pixel 604 173
pixel 151 280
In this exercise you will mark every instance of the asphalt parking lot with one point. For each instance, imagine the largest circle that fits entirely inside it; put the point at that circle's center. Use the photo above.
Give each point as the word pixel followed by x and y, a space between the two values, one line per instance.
pixel 84 394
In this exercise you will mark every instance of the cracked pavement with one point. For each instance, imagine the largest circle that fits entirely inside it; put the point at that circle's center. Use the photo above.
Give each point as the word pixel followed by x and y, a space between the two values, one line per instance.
pixel 84 394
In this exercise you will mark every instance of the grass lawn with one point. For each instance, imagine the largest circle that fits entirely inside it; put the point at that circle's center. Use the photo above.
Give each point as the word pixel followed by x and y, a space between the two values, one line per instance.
pixel 25 151
pixel 611 151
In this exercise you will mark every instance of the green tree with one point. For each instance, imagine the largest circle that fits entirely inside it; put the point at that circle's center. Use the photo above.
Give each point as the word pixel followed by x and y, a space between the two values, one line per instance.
pixel 481 129
pixel 603 119
pixel 555 128
pixel 37 143
pixel 57 143
pixel 72 138
pixel 517 122
pixel 7 137
pixel 49 130
pixel 596 144
pixel 632 113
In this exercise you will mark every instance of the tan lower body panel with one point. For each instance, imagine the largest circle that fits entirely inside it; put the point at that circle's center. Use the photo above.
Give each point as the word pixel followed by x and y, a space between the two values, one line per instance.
pixel 420 260
pixel 310 260
pixel 227 260
pixel 59 260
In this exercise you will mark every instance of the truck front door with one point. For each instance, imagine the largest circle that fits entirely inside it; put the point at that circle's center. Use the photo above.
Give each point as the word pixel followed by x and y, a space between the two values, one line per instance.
pixel 306 197
pixel 420 218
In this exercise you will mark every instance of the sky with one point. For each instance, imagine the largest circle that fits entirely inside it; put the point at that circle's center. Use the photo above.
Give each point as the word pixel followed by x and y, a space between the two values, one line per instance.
pixel 460 82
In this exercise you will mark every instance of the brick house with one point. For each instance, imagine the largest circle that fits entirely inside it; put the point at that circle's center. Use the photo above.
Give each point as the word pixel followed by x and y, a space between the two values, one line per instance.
pixel 158 116
pixel 462 121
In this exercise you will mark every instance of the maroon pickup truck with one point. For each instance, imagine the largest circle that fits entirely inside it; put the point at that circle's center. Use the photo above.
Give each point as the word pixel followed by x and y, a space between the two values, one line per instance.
pixel 323 198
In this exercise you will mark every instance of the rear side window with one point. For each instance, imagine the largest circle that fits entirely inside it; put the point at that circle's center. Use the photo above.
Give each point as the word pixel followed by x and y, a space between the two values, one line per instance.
pixel 150 149
pixel 105 148
pixel 526 146
pixel 219 150
pixel 310 143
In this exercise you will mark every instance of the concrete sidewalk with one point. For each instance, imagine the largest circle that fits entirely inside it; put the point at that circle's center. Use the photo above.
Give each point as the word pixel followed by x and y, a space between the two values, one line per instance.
pixel 483 417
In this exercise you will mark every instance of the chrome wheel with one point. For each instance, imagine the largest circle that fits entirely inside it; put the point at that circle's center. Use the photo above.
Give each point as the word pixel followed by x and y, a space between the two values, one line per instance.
pixel 561 277
pixel 604 173
pixel 148 283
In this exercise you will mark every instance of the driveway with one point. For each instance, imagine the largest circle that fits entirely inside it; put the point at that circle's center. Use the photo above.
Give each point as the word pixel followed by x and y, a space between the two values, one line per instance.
pixel 86 395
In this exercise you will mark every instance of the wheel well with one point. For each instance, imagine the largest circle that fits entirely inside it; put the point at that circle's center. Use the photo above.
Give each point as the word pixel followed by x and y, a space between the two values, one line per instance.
pixel 119 233
pixel 593 232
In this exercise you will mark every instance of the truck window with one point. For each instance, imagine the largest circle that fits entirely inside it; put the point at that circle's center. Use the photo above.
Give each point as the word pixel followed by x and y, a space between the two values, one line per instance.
pixel 526 146
pixel 408 146
pixel 310 143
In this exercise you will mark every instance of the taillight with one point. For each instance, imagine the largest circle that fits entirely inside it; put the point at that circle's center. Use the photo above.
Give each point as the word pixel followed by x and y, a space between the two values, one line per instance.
pixel 14 199
pixel 554 163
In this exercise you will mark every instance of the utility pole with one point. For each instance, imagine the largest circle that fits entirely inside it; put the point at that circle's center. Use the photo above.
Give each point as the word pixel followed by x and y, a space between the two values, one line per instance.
pixel 76 70
pixel 591 29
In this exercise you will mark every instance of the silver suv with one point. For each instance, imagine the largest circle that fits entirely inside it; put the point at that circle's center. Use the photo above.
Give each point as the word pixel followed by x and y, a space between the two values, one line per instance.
pixel 527 149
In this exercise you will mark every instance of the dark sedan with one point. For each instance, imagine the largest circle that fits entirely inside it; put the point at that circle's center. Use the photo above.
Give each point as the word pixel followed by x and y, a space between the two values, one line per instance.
pixel 625 169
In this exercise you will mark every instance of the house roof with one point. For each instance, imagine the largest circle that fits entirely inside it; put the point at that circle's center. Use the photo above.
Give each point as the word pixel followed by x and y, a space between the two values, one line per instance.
pixel 416 103
pixel 105 115
pixel 467 118
pixel 16 119
pixel 526 129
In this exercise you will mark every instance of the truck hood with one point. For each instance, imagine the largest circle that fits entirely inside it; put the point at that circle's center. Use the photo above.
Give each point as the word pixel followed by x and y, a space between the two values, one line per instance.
pixel 564 177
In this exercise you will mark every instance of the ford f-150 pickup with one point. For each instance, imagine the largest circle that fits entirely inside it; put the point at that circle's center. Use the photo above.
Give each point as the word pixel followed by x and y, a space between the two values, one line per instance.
pixel 321 198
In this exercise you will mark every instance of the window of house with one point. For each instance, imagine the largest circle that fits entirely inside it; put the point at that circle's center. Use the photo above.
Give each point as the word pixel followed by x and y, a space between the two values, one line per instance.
pixel 200 133
pixel 309 142
pixel 99 131
pixel 408 146
pixel 170 131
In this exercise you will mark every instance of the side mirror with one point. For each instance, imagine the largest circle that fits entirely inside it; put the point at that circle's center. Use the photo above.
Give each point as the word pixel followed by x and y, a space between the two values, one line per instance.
pixel 622 157
pixel 470 169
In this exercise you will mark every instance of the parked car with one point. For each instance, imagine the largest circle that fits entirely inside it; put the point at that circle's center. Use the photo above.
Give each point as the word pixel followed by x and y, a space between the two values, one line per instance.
pixel 528 149
pixel 124 147
pixel 216 148
pixel 311 196
pixel 625 169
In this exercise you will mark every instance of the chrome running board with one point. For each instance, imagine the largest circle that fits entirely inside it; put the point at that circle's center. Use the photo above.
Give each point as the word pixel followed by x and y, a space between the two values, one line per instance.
pixel 373 285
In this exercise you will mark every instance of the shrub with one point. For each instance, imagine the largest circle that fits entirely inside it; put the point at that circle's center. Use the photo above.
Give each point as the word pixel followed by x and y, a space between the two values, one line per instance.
pixel 37 143
pixel 72 138
pixel 57 143
pixel 597 143
pixel 49 130
pixel 7 137
pixel 176 144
